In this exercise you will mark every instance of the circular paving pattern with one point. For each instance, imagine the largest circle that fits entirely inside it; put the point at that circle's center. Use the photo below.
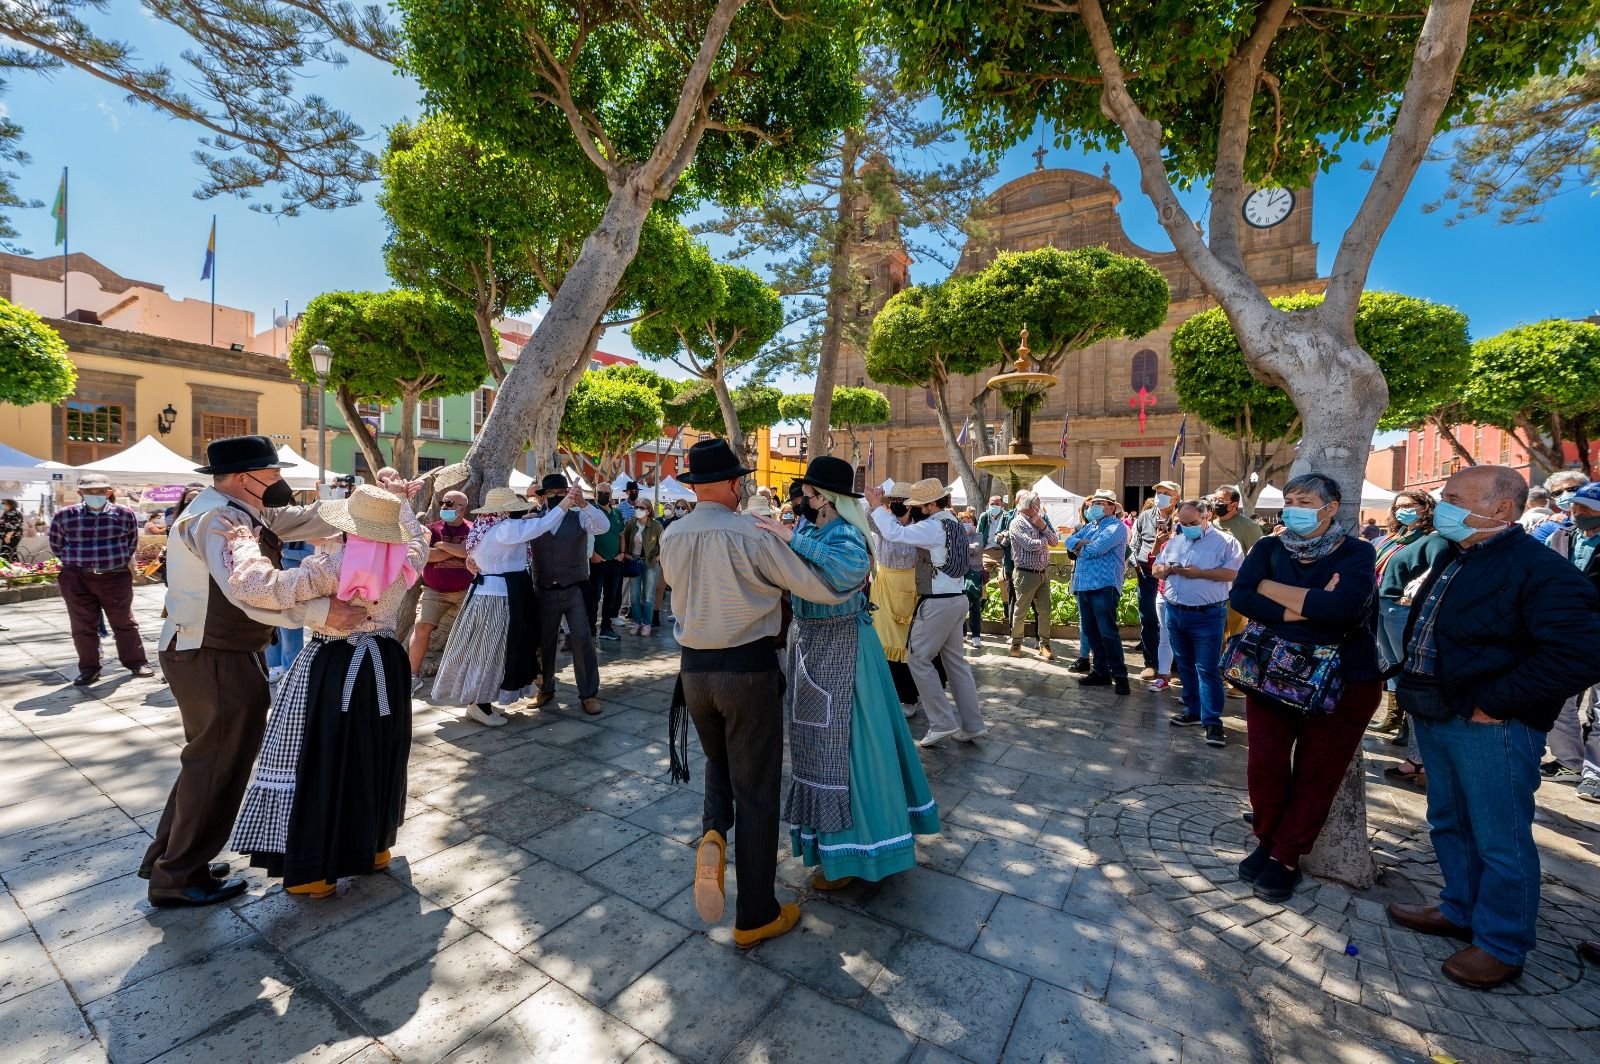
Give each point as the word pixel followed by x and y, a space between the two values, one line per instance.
pixel 1183 844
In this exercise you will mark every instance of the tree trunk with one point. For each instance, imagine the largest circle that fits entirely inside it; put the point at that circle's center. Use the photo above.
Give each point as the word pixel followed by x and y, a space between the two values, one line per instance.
pixel 958 457
pixel 730 415
pixel 1580 439
pixel 405 441
pixel 365 440
pixel 1449 436
pixel 980 422
pixel 491 342
pixel 533 395
pixel 839 256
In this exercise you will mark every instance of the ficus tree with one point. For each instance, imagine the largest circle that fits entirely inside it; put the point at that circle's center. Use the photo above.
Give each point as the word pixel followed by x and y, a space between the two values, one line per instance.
pixel 715 335
pixel 389 347
pixel 1421 346
pixel 1248 95
pixel 609 412
pixel 34 363
pixel 1541 383
pixel 704 99
pixel 757 407
pixel 850 409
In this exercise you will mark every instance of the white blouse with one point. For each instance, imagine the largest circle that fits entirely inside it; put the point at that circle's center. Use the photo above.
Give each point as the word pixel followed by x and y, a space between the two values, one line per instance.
pixel 504 548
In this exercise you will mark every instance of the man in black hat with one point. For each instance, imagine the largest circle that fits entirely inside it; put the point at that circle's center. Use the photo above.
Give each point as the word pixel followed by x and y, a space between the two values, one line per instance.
pixel 728 577
pixel 211 653
pixel 561 573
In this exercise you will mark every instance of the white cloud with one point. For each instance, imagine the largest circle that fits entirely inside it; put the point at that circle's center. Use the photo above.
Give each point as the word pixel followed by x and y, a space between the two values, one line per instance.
pixel 111 115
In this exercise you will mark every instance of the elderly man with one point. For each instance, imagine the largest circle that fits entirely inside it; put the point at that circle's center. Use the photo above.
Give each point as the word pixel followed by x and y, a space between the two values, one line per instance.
pixel 728 578
pixel 1502 633
pixel 1561 486
pixel 992 537
pixel 1150 529
pixel 1101 547
pixel 211 653
pixel 1537 510
pixel 445 579
pixel 1197 567
pixel 1031 540
pixel 1575 738
pixel 941 609
pixel 94 541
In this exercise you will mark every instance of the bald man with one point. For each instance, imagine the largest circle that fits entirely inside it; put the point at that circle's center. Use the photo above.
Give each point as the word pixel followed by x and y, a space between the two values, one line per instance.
pixel 445 578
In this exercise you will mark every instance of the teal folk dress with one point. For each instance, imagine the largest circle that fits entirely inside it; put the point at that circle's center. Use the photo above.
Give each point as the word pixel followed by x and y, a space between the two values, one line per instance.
pixel 858 794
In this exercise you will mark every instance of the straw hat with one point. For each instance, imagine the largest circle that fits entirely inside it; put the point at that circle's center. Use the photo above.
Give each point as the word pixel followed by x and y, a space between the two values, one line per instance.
pixel 925 491
pixel 369 512
pixel 501 501
pixel 760 509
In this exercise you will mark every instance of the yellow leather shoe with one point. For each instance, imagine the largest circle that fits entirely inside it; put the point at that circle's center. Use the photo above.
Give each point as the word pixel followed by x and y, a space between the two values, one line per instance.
pixel 319 889
pixel 381 861
pixel 709 861
pixel 822 882
pixel 788 916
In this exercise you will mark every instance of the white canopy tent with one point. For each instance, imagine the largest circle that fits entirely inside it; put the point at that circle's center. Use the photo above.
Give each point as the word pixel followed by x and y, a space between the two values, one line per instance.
pixel 673 491
pixel 301 474
pixel 1372 497
pixel 574 478
pixel 1060 505
pixel 147 462
pixel 16 465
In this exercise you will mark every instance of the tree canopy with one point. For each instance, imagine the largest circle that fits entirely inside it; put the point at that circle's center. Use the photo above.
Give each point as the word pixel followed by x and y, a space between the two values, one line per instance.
pixel 34 366
pixel 609 412
pixel 1541 383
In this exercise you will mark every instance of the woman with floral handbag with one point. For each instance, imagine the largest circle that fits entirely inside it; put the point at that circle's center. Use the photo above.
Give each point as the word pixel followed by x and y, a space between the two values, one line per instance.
pixel 1307 663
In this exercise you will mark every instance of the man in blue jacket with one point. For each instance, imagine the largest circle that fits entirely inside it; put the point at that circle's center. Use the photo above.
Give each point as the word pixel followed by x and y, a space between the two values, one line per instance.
pixel 1503 632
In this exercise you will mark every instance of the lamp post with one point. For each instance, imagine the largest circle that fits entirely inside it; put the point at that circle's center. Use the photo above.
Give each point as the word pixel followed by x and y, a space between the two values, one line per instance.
pixel 321 362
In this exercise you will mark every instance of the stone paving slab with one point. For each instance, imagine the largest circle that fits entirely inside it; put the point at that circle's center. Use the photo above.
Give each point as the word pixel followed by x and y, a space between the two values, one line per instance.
pixel 1080 905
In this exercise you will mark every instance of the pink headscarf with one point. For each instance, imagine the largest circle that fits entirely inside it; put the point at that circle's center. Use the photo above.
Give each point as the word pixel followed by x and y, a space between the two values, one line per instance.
pixel 368 568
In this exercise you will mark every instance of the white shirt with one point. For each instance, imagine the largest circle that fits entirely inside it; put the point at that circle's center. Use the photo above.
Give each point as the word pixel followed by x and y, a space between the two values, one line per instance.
pixel 926 535
pixel 503 549
pixel 1215 549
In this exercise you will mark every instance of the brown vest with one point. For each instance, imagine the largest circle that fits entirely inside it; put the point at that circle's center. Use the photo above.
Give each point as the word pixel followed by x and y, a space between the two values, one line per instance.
pixel 227 627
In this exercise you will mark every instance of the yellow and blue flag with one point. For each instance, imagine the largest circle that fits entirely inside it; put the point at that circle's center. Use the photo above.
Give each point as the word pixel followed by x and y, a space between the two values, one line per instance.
pixel 211 251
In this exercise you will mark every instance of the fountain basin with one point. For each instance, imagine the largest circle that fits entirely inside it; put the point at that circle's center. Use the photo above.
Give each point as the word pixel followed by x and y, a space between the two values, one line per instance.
pixel 1019 471
pixel 1022 383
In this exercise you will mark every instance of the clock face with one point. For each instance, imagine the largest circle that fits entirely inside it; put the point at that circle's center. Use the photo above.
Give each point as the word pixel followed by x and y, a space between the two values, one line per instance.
pixel 1266 207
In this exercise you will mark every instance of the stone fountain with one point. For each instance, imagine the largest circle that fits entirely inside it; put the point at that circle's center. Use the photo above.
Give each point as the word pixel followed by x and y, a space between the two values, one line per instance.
pixel 1022 389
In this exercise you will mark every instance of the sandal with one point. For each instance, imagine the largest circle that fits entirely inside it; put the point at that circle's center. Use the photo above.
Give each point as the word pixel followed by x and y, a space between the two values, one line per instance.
pixel 1409 775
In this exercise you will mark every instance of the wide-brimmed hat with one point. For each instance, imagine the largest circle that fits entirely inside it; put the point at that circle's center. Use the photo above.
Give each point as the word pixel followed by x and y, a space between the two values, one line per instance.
pixel 632 485
pixel 925 491
pixel 1103 495
pixel 502 501
pixel 831 474
pixel 554 482
pixel 241 454
pixel 760 509
pixel 711 461
pixel 368 512
pixel 94 480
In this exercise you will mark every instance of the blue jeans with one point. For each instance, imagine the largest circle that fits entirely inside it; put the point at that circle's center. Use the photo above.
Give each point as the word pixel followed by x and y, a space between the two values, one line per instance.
pixel 644 596
pixel 1196 637
pixel 283 650
pixel 1481 779
pixel 1097 612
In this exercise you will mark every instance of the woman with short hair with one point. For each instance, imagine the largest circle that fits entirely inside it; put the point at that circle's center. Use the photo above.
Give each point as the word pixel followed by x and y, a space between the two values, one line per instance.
pixel 1311 585
pixel 1404 556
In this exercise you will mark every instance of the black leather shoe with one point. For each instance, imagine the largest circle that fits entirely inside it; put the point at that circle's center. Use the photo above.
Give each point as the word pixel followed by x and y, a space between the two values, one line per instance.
pixel 142 671
pixel 171 898
pixel 86 678
pixel 1095 679
pixel 218 870
pixel 1251 866
pixel 1121 687
pixel 1080 666
pixel 1275 882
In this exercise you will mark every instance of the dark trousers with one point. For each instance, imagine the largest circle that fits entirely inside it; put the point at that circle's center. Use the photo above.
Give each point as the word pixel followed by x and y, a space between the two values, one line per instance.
pixel 1297 763
pixel 605 590
pixel 739 718
pixel 975 616
pixel 555 603
pixel 1149 623
pixel 905 688
pixel 223 698
pixel 1097 613
pixel 87 594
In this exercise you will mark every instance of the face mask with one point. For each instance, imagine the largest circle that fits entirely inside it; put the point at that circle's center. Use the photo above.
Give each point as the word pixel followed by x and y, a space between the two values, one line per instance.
pixel 276 494
pixel 806 508
pixel 1302 520
pixel 788 519
pixel 602 500
pixel 1450 521
pixel 683 511
pixel 1564 500
pixel 898 509
pixel 1222 508
pixel 96 502
pixel 1191 532
pixel 1163 501
pixel 969 526
pixel 448 515
pixel 1589 524
pixel 1406 516
pixel 995 511
pixel 1094 513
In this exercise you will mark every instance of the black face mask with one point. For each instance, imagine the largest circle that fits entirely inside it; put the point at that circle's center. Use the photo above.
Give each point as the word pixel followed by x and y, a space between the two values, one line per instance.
pixel 898 509
pixel 1589 523
pixel 918 514
pixel 276 494
pixel 804 507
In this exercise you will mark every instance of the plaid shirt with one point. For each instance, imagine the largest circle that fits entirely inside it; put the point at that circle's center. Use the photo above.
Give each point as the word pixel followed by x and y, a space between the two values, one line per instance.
pixel 95 540
pixel 1030 547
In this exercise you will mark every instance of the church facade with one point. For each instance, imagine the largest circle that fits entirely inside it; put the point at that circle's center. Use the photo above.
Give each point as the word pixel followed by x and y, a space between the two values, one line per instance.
pixel 1114 437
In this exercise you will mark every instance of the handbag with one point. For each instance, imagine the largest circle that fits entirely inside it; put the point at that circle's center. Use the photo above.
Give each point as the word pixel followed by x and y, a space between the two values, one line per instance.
pixel 632 567
pixel 1301 676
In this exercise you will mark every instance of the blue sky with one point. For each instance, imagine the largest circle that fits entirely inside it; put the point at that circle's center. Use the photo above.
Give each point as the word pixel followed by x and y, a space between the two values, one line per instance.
pixel 133 208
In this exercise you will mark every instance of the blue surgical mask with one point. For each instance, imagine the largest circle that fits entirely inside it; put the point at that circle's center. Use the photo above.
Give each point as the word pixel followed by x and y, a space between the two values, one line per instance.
pixel 1564 501
pixel 448 515
pixel 995 511
pixel 1450 521
pixel 1302 520
pixel 1406 515
pixel 1163 501
pixel 95 502
pixel 1192 532
pixel 1094 513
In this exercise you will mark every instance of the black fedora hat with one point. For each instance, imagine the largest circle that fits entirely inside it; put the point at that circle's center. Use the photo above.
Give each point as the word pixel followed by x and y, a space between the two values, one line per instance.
pixel 241 454
pixel 553 482
pixel 713 460
pixel 831 474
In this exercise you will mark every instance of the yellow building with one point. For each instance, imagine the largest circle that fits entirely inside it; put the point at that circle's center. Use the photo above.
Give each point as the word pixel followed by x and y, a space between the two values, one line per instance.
pixel 132 385
pixel 775 471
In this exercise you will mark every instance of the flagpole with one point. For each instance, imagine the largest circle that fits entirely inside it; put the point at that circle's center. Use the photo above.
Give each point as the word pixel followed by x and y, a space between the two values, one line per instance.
pixel 66 243
pixel 213 280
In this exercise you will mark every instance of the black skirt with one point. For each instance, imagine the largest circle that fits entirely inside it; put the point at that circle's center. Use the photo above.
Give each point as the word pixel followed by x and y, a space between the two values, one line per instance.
pixel 522 632
pixel 350 789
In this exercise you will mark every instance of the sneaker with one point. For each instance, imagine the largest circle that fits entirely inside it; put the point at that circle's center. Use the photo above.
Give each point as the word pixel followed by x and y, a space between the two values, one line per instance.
pixel 911 710
pixel 934 738
pixel 1184 719
pixel 1250 868
pixel 975 643
pixel 610 636
pixel 1148 673
pixel 1015 651
pixel 1215 735
pixel 644 629
pixel 1588 790
pixel 635 630
pixel 416 684
pixel 1097 679
pixel 1556 772
pixel 965 736
pixel 1046 654
pixel 490 720
pixel 1079 666
pixel 1277 883
pixel 1160 683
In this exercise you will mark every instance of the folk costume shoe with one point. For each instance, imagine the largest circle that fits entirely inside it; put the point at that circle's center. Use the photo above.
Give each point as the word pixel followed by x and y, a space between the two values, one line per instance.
pixel 1427 920
pixel 318 889
pixel 822 882
pixel 381 861
pixel 710 861
pixel 192 897
pixel 218 870
pixel 788 916
pixel 1479 969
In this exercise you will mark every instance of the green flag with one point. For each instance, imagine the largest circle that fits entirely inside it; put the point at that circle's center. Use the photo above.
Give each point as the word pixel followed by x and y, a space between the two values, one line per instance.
pixel 59 211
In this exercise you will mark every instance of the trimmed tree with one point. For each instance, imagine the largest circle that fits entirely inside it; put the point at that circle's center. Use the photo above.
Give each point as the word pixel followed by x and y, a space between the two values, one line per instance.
pixel 1541 383
pixel 389 347
pixel 1421 346
pixel 609 413
pixel 1242 95
pixel 34 362
pixel 690 101
pixel 855 408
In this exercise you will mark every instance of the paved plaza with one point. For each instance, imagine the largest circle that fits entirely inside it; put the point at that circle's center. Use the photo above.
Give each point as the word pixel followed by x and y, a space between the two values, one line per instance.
pixel 1079 906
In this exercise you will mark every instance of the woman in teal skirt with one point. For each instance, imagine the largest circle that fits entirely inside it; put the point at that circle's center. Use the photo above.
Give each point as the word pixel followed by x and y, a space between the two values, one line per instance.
pixel 858 795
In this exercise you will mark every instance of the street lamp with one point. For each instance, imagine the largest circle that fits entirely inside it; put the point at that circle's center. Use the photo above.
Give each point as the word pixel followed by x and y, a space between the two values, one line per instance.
pixel 321 362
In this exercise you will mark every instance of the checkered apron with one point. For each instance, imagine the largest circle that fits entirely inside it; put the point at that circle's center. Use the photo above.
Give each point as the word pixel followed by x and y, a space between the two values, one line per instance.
pixel 817 704
pixel 263 823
